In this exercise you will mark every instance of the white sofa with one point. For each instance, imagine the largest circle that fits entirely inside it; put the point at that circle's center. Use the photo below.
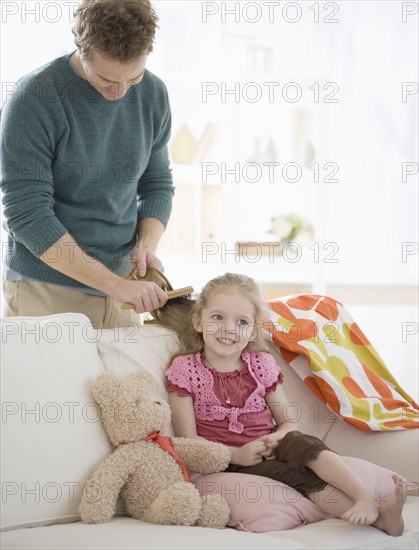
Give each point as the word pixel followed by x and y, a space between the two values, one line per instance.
pixel 52 439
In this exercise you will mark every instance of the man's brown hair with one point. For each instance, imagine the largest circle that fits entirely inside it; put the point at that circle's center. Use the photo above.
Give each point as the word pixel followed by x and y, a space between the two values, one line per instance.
pixel 121 29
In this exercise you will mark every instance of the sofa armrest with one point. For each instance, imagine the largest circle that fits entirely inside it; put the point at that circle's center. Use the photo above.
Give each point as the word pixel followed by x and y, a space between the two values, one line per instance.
pixel 51 437
pixel 395 450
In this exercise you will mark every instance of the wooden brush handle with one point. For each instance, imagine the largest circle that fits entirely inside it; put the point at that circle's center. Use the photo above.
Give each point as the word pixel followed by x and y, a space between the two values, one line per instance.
pixel 127 305
pixel 170 293
pixel 179 292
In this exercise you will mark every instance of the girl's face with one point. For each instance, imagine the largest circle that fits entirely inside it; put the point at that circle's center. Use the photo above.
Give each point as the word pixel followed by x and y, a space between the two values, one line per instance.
pixel 227 323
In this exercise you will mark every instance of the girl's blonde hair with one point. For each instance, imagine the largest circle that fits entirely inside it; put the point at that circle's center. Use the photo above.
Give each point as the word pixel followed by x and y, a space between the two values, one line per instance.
pixel 177 314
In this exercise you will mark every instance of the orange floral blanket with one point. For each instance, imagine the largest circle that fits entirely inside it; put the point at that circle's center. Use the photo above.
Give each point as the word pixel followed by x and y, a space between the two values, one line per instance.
pixel 330 353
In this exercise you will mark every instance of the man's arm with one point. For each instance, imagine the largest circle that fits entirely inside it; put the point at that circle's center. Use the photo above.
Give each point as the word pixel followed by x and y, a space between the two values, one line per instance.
pixel 67 257
pixel 150 231
pixel 155 194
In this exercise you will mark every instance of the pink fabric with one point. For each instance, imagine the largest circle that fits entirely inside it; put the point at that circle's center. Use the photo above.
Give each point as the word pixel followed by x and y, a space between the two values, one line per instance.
pixel 259 504
pixel 248 417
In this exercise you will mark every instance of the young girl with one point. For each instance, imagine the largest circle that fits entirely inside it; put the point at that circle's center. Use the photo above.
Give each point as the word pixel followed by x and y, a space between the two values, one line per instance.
pixel 225 387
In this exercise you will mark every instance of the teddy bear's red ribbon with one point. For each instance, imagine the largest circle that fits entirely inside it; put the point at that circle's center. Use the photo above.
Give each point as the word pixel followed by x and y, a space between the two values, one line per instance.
pixel 166 444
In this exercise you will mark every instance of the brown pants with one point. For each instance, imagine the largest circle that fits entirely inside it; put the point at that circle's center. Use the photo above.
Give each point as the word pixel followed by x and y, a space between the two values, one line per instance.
pixel 289 466
pixel 33 299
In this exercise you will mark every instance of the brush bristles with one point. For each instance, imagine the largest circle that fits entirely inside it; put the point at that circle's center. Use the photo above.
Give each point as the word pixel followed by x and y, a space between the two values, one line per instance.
pixel 155 276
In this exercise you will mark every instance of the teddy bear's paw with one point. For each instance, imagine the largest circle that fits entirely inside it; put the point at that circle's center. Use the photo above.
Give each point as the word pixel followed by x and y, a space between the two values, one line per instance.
pixel 179 504
pixel 215 512
pixel 90 513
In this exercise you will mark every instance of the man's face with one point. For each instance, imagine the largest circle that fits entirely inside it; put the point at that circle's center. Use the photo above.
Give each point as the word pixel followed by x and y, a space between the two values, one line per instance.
pixel 110 77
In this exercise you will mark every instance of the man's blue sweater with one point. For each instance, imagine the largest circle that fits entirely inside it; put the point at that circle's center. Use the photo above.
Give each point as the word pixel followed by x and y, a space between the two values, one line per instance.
pixel 75 162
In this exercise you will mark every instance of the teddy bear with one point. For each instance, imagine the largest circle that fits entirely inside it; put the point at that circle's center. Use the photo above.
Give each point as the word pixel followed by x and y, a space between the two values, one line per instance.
pixel 149 470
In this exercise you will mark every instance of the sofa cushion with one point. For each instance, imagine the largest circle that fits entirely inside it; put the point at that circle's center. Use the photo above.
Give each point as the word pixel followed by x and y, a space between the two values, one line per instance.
pixel 335 534
pixel 50 440
pixel 130 533
pixel 259 504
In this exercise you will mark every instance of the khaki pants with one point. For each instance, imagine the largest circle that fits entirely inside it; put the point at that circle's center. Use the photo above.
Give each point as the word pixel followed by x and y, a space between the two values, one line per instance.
pixel 33 299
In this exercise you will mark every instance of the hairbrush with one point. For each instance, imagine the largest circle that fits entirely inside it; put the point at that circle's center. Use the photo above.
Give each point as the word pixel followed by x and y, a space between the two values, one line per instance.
pixel 154 275
pixel 184 292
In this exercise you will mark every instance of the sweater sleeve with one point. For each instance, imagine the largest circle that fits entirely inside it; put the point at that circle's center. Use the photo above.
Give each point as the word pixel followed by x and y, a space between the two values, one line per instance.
pixel 27 122
pixel 155 187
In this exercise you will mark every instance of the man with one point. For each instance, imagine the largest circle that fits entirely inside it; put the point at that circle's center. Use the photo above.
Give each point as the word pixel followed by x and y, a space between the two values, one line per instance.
pixel 86 181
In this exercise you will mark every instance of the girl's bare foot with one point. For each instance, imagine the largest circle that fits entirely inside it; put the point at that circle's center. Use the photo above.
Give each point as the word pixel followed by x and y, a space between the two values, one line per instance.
pixel 363 512
pixel 390 517
pixel 411 488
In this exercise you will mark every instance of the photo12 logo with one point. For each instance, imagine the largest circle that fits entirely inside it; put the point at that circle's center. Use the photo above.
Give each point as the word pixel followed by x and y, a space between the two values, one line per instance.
pixel 270 92
pixel 409 328
pixel 50 492
pixel 270 172
pixel 252 252
pixel 409 89
pixel 37 12
pixel 409 169
pixel 270 12
pixel 409 10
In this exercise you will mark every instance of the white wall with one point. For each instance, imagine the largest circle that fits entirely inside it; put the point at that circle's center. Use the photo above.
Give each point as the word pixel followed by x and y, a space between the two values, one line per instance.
pixel 367 51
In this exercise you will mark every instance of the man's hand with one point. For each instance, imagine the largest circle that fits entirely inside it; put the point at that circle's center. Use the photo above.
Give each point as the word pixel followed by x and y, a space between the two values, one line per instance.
pixel 146 258
pixel 144 295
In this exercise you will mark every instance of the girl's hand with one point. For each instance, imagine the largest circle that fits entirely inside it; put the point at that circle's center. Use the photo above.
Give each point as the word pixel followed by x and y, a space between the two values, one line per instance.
pixel 250 454
pixel 269 441
pixel 270 445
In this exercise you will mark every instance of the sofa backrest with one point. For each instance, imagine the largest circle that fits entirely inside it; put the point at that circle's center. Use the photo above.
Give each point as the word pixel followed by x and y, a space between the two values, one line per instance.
pixel 149 347
pixel 51 437
pixel 134 348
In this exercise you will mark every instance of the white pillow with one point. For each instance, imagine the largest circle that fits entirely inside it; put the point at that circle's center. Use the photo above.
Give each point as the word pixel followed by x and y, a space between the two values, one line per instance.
pixel 135 348
pixel 51 434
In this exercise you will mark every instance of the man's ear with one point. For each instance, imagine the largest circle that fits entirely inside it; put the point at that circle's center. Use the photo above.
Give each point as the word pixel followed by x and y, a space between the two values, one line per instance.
pixel 196 321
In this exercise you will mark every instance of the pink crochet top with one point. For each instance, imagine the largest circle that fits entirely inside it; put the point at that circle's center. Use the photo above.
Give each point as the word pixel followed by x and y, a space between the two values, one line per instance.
pixel 248 416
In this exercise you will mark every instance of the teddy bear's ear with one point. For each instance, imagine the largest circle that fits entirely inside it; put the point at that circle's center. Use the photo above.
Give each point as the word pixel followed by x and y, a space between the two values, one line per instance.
pixel 107 388
pixel 142 381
